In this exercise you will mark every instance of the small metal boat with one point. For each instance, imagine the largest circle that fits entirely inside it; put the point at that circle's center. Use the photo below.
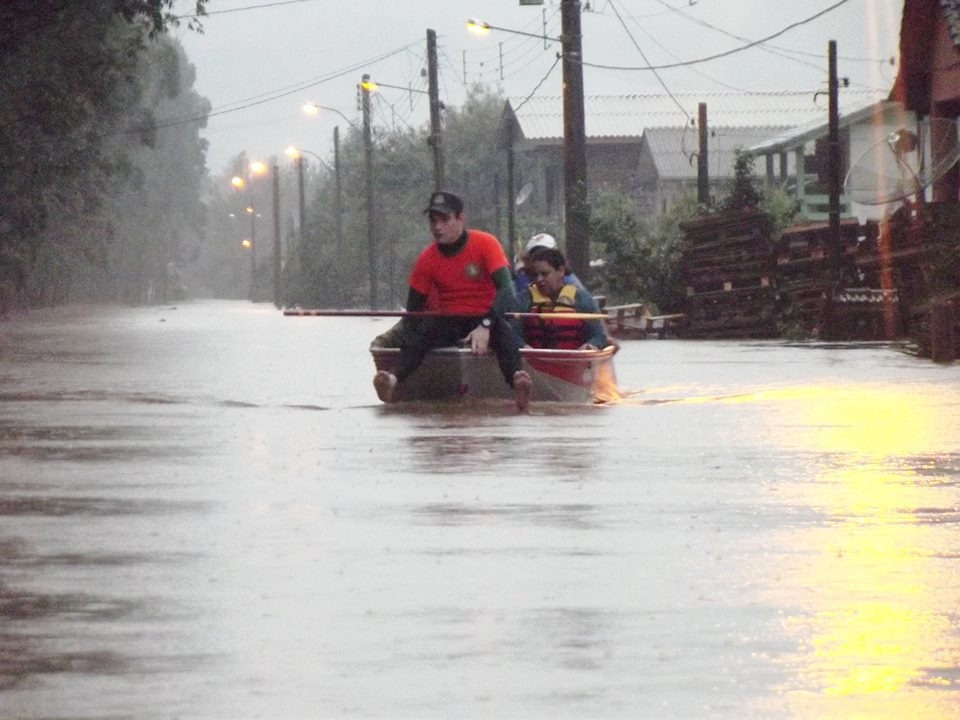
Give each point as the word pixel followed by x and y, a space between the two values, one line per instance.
pixel 454 373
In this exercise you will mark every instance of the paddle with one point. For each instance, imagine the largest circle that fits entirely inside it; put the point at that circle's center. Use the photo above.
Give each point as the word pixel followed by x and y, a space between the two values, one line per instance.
pixel 297 312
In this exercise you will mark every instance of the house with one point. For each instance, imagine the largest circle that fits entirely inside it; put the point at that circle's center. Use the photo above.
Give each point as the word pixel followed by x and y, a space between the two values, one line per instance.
pixel 646 144
pixel 667 169
pixel 928 80
pixel 863 134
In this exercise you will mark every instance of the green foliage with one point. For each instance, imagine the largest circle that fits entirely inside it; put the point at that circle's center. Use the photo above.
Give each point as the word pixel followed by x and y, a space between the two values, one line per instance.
pixel 744 192
pixel 322 275
pixel 641 259
pixel 77 109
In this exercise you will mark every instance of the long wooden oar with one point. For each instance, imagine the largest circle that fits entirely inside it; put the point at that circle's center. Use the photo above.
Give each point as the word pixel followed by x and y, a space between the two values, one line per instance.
pixel 297 312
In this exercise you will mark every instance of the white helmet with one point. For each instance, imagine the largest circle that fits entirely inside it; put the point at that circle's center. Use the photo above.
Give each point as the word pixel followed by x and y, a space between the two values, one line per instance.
pixel 541 240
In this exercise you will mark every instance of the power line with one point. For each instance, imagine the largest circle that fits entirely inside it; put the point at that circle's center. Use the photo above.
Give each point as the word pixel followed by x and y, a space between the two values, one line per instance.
pixel 726 53
pixel 197 16
pixel 537 87
pixel 643 55
pixel 265 97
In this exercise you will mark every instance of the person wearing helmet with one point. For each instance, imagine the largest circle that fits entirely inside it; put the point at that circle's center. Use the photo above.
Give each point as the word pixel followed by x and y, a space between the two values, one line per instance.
pixel 523 278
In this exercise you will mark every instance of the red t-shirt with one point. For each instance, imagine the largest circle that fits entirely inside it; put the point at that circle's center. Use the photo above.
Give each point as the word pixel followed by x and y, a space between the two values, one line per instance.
pixel 462 283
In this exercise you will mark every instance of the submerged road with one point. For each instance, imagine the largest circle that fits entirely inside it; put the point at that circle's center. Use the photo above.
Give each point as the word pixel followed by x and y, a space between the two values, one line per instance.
pixel 206 513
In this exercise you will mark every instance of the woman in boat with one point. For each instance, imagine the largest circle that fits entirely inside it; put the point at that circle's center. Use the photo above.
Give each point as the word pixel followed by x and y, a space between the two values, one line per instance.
pixel 551 293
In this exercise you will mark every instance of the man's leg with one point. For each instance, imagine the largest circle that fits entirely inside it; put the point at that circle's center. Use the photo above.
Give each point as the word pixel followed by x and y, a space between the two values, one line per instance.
pixel 420 338
pixel 506 345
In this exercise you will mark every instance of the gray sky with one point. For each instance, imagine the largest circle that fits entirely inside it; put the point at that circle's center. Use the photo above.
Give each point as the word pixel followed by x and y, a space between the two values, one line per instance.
pixel 258 61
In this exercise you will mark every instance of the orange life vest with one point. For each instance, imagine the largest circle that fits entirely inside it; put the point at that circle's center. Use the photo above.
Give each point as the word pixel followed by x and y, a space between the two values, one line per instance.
pixel 554 334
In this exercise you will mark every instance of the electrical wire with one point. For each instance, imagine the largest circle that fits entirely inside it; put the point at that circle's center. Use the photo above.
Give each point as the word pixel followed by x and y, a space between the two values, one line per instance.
pixel 644 56
pixel 263 98
pixel 726 53
pixel 538 85
pixel 197 16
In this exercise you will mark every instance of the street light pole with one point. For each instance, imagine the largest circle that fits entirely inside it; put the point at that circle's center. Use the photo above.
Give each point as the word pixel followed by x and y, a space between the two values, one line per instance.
pixel 577 212
pixel 277 254
pixel 368 166
pixel 436 136
pixel 253 252
pixel 338 201
pixel 435 140
pixel 298 162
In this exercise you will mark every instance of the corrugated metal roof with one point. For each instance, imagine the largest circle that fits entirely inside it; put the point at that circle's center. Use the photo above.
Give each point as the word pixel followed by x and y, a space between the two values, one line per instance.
pixel 672 149
pixel 627 116
pixel 797 136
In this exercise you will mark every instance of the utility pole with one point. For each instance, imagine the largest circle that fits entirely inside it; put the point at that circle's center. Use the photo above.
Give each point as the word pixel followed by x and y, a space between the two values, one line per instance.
pixel 510 242
pixel 576 210
pixel 368 165
pixel 298 162
pixel 436 134
pixel 277 255
pixel 253 249
pixel 833 163
pixel 338 200
pixel 703 167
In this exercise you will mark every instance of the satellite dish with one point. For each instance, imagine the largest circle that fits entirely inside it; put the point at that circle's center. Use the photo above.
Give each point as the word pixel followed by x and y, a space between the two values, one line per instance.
pixel 904 163
pixel 524 194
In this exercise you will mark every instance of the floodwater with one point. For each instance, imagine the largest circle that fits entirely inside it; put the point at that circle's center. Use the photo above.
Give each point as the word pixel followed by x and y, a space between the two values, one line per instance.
pixel 206 513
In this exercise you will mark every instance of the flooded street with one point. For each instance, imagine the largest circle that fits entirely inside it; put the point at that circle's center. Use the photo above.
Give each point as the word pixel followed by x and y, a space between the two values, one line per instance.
pixel 206 513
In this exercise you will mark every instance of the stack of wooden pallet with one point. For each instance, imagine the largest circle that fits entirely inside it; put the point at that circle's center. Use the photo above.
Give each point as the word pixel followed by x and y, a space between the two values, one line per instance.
pixel 727 266
pixel 806 274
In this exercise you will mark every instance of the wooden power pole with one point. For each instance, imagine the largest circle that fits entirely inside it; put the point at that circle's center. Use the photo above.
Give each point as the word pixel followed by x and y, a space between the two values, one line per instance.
pixel 576 209
pixel 833 163
pixel 436 133
pixel 703 167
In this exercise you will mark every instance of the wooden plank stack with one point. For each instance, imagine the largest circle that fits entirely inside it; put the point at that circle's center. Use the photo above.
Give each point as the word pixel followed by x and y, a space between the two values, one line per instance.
pixel 728 268
pixel 806 279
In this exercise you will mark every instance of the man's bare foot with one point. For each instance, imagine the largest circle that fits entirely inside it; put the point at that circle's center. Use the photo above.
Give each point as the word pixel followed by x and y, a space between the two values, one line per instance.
pixel 522 388
pixel 384 383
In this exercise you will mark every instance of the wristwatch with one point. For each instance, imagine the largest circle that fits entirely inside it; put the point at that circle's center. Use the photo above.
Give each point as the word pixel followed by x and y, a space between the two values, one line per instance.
pixel 486 322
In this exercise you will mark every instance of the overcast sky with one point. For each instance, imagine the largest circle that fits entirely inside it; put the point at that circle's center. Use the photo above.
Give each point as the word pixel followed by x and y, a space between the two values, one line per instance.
pixel 258 61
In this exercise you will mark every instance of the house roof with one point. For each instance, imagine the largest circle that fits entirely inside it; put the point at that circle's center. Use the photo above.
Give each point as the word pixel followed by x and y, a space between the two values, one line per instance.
pixel 615 117
pixel 672 149
pixel 798 136
pixel 918 26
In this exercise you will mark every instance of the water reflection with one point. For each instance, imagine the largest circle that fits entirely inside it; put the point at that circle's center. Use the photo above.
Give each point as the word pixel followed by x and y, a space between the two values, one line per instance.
pixel 874 595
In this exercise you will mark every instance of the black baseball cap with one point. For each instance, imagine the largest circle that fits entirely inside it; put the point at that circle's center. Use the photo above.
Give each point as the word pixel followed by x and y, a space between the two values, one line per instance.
pixel 444 202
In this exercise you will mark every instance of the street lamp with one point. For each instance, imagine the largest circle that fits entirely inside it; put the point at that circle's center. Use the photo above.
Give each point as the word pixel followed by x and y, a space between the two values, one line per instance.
pixel 312 108
pixel 247 244
pixel 436 134
pixel 576 209
pixel 368 172
pixel 297 154
pixel 481 27
pixel 254 168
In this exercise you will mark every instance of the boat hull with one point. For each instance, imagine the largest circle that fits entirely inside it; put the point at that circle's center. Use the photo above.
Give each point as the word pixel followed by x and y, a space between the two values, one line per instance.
pixel 573 376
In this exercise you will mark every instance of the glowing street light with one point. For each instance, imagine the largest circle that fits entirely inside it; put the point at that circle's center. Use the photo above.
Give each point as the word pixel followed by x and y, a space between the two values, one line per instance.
pixel 312 108
pixel 576 209
pixel 482 27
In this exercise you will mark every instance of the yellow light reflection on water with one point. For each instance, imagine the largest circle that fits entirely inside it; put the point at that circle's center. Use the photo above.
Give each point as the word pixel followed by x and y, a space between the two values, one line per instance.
pixel 870 593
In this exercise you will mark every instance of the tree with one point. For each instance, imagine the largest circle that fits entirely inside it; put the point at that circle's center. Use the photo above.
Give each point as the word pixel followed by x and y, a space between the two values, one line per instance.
pixel 70 75
pixel 641 259
pixel 321 275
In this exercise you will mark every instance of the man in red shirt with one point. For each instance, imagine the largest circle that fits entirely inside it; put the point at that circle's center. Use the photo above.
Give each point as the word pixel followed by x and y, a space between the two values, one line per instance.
pixel 467 274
